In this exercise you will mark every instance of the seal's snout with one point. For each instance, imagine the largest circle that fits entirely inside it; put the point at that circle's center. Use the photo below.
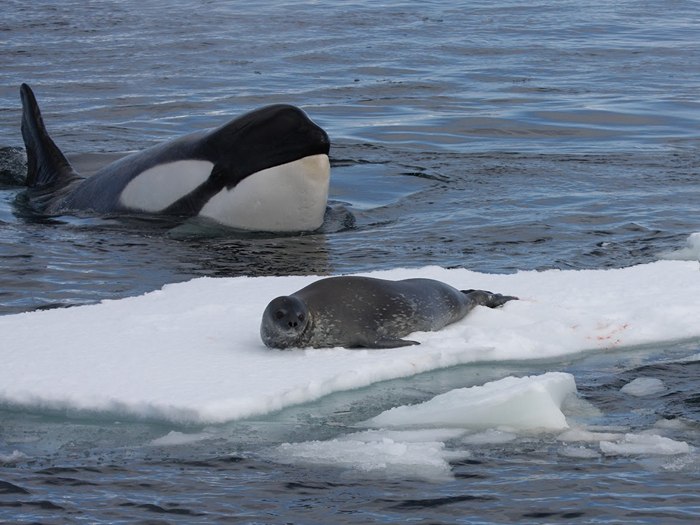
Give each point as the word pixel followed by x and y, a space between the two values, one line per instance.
pixel 286 319
pixel 290 319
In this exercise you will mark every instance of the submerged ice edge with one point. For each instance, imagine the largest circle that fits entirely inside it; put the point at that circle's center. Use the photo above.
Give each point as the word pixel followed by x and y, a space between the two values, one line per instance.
pixel 411 441
pixel 422 441
pixel 190 352
pixel 690 252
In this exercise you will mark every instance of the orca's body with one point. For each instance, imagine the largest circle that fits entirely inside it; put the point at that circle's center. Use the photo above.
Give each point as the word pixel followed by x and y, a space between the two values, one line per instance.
pixel 267 170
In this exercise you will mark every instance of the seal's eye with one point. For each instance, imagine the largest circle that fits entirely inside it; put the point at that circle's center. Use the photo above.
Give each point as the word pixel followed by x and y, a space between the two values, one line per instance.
pixel 301 317
pixel 279 314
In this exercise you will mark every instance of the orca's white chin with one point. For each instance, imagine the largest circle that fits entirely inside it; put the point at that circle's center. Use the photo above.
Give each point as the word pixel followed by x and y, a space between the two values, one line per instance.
pixel 285 198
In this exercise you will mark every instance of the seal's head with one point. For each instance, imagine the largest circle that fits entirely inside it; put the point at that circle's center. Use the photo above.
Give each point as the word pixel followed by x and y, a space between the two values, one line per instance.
pixel 284 321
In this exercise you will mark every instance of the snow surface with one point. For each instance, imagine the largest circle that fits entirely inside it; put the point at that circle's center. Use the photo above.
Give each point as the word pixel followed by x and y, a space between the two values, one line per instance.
pixel 191 352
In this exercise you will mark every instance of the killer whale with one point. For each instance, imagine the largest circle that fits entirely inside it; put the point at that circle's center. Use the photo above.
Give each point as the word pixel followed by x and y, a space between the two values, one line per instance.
pixel 267 170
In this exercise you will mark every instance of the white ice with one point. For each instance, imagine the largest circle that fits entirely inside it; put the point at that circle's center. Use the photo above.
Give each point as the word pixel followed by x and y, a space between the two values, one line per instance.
pixel 174 438
pixel 644 444
pixel 10 459
pixel 403 454
pixel 531 404
pixel 512 403
pixel 420 441
pixel 690 252
pixel 191 352
pixel 644 386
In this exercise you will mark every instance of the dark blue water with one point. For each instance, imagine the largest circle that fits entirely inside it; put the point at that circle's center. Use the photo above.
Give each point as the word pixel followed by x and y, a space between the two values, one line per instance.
pixel 495 136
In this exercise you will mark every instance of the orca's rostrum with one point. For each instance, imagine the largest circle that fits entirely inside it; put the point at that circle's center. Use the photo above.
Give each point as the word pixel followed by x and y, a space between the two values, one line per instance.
pixel 266 170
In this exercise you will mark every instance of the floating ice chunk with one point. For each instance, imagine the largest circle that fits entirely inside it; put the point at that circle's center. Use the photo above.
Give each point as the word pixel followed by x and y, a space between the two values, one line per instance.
pixel 11 459
pixel 517 403
pixel 578 452
pixel 408 436
pixel 680 462
pixel 580 434
pixel 174 354
pixel 579 408
pixel 420 454
pixel 644 444
pixel 691 251
pixel 179 438
pixel 489 437
pixel 689 359
pixel 644 386
pixel 671 424
pixel 526 403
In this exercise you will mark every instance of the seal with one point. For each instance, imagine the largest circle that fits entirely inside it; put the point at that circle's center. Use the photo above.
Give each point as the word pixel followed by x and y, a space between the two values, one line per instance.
pixel 367 312
pixel 267 170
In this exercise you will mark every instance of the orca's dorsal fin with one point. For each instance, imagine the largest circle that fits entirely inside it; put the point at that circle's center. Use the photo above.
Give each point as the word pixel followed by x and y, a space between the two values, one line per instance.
pixel 46 164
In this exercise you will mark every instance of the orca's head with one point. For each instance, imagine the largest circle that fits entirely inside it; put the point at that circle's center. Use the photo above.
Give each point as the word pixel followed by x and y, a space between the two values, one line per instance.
pixel 272 165
pixel 267 170
pixel 264 138
pixel 284 321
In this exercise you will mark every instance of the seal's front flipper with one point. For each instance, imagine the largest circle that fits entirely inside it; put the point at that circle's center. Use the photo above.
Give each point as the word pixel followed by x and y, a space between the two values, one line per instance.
pixel 484 298
pixel 391 343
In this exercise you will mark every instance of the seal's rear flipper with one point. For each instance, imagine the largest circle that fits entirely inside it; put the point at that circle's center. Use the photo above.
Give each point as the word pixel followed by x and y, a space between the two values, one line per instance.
pixel 392 343
pixel 484 298
pixel 46 165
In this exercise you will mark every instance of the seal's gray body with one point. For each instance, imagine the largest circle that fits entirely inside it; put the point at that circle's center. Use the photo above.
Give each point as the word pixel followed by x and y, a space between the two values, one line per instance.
pixel 366 312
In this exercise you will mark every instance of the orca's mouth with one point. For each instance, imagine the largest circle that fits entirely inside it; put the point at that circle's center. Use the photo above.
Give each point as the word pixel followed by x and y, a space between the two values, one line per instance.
pixel 290 197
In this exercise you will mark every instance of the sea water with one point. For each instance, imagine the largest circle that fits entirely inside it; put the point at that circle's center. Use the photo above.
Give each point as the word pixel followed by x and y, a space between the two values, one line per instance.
pixel 497 137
